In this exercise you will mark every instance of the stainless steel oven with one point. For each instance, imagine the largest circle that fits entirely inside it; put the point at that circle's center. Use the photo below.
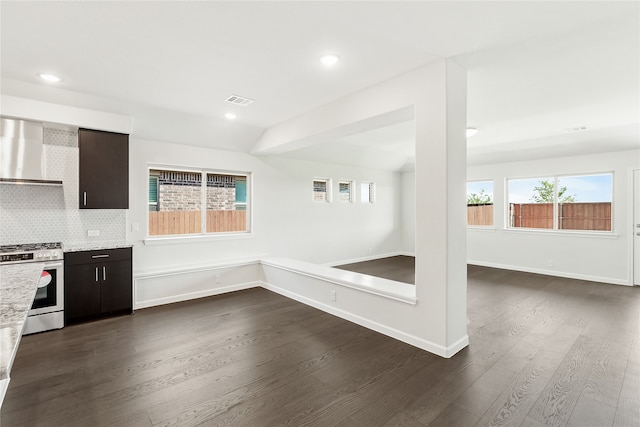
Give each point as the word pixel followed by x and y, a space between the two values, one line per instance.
pixel 47 311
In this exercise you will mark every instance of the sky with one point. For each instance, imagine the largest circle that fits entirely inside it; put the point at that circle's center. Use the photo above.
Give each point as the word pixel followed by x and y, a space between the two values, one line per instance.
pixel 474 187
pixel 585 188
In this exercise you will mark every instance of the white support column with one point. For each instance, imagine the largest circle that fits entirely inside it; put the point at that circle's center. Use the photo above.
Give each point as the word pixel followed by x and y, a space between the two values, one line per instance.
pixel 441 275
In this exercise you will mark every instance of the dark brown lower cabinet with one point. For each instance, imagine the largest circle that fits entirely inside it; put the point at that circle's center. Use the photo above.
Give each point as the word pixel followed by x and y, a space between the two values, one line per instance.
pixel 97 283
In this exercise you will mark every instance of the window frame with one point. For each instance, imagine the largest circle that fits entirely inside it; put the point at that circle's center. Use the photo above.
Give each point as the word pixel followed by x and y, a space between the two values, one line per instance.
pixel 555 229
pixel 149 203
pixel 203 234
pixel 351 185
pixel 328 192
pixel 371 191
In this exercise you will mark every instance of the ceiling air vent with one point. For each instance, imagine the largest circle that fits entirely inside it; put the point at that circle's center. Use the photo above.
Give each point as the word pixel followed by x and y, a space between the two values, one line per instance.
pixel 239 100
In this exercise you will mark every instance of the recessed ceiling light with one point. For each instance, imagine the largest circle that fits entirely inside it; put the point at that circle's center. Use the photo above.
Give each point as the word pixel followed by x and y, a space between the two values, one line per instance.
pixel 230 116
pixel 329 60
pixel 51 78
pixel 471 132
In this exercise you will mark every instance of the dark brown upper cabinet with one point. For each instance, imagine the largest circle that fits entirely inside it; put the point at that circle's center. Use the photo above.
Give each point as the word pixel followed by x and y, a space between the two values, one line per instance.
pixel 104 169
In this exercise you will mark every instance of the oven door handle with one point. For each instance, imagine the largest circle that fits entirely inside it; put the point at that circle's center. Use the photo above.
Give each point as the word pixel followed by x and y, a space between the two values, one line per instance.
pixel 49 265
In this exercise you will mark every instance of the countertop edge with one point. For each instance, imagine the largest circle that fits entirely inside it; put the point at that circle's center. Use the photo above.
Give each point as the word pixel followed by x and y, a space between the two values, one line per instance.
pixel 82 247
pixel 16 305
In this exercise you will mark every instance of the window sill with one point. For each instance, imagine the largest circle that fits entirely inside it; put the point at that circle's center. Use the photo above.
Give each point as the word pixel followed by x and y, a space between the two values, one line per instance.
pixel 488 228
pixel 168 240
pixel 564 233
pixel 390 289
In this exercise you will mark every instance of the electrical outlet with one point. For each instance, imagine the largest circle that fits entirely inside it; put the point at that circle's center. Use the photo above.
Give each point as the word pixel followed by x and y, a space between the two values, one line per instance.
pixel 218 279
pixel 135 227
pixel 93 233
pixel 334 295
pixel 550 263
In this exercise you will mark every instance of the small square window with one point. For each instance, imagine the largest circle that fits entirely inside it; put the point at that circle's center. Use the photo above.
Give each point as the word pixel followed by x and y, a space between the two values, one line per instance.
pixel 322 190
pixel 345 191
pixel 367 192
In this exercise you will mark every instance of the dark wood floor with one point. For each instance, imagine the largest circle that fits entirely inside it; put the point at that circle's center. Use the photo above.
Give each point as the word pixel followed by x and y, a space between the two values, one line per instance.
pixel 400 268
pixel 543 351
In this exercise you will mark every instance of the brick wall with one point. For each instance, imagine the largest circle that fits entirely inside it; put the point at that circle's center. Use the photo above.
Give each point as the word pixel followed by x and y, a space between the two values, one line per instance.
pixel 181 191
pixel 221 192
pixel 179 198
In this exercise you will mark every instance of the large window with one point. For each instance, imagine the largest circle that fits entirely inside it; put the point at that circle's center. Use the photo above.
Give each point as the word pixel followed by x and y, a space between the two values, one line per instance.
pixel 480 203
pixel 177 197
pixel 580 202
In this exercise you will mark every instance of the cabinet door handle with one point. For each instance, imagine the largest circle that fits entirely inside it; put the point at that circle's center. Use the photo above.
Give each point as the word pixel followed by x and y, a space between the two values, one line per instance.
pixel 84 198
pixel 100 256
pixel 104 273
pixel 97 278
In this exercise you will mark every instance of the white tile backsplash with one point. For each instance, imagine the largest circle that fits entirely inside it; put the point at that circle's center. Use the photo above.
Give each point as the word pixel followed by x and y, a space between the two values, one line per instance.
pixel 34 213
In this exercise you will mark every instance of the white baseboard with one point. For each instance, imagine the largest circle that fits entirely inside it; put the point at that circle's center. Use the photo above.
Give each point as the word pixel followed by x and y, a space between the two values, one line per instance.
pixel 457 346
pixel 551 273
pixel 4 386
pixel 195 295
pixel 370 324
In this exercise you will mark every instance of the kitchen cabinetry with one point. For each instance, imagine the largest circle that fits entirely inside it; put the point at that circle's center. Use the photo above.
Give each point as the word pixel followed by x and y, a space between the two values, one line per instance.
pixel 104 169
pixel 97 283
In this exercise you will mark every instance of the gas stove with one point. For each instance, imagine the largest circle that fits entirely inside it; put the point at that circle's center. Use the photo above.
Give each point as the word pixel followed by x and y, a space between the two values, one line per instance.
pixel 30 252
pixel 47 311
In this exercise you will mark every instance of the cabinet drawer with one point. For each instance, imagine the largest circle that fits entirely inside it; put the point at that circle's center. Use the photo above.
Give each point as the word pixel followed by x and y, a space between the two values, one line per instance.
pixel 90 257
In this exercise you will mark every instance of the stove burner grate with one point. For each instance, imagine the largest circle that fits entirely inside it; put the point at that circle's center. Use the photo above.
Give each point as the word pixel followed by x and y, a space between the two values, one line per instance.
pixel 29 247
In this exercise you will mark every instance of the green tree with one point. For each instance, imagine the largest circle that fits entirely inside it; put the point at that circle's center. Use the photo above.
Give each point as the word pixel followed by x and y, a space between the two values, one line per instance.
pixel 544 193
pixel 481 198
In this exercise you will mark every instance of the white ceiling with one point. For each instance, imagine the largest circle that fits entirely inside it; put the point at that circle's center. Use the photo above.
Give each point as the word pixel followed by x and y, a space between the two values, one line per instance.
pixel 535 69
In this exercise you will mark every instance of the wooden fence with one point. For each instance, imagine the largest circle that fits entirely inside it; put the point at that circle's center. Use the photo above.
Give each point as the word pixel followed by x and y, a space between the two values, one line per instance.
pixel 480 214
pixel 571 216
pixel 190 222
pixel 531 215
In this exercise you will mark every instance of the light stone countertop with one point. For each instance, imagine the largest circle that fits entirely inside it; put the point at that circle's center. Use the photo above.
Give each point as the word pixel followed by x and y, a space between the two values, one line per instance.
pixel 97 246
pixel 18 285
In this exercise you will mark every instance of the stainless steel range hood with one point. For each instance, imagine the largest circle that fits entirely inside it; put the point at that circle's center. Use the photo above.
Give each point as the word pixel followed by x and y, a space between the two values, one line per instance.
pixel 21 153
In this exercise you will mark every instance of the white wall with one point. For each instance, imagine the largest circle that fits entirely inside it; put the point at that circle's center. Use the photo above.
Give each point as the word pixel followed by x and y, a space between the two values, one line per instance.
pixel 286 221
pixel 604 257
pixel 408 211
